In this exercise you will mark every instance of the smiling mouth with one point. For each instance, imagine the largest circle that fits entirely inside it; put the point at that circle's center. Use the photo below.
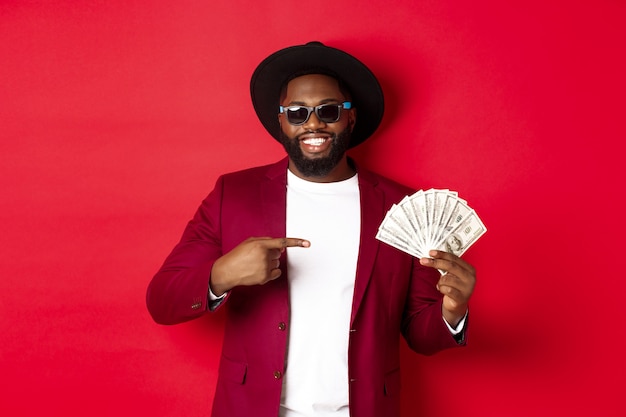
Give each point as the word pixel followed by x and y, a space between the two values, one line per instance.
pixel 314 141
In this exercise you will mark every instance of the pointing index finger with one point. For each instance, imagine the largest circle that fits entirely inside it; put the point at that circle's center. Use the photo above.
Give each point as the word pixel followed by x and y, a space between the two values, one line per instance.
pixel 283 242
pixel 289 242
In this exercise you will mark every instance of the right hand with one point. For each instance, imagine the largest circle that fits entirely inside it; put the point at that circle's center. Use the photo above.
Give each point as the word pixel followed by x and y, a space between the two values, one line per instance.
pixel 254 261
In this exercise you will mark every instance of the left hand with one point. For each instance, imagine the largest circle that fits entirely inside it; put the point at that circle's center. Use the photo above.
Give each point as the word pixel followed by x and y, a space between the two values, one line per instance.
pixel 456 285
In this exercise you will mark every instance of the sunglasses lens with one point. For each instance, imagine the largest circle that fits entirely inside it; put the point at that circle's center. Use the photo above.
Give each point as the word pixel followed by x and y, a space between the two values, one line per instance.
pixel 297 115
pixel 328 113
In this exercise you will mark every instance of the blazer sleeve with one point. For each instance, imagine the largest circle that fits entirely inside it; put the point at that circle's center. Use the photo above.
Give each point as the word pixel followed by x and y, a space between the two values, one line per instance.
pixel 179 290
pixel 423 325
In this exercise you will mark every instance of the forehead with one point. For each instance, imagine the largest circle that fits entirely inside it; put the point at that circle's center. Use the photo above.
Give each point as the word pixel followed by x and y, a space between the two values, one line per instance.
pixel 313 87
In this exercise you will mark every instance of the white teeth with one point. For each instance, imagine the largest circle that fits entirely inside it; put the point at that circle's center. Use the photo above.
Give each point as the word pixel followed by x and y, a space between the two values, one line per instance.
pixel 314 141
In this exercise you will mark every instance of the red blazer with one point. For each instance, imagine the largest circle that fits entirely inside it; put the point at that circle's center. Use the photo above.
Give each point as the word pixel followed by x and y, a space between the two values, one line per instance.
pixel 393 294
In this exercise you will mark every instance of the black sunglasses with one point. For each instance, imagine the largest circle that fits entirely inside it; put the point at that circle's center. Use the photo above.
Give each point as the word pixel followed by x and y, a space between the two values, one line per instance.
pixel 327 113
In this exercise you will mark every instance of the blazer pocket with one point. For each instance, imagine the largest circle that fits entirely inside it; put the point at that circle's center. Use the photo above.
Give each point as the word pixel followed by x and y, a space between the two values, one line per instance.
pixel 392 383
pixel 233 371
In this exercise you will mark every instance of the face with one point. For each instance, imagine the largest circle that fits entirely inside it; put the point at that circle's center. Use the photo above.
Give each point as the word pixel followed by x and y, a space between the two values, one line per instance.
pixel 317 149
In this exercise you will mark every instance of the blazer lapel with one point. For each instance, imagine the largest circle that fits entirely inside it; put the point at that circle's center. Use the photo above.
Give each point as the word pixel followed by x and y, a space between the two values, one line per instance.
pixel 274 199
pixel 372 211
pixel 273 212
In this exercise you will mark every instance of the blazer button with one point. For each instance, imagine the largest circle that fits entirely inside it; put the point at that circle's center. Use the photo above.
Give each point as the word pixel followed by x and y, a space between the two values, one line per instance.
pixel 282 326
pixel 277 374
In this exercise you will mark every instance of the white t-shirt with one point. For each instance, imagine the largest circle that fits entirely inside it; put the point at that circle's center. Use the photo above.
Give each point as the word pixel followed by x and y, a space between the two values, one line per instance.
pixel 321 285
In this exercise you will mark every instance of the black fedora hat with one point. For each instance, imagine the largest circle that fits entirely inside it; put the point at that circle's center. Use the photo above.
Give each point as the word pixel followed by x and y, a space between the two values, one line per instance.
pixel 275 70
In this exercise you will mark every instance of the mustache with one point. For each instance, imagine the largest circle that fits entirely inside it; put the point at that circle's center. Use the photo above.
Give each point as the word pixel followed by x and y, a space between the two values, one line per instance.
pixel 316 132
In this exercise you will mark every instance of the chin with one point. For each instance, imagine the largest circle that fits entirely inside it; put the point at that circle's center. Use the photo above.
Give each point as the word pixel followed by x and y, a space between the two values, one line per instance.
pixel 317 165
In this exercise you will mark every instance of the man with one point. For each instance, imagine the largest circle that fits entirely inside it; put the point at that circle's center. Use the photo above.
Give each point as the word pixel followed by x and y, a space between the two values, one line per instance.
pixel 313 319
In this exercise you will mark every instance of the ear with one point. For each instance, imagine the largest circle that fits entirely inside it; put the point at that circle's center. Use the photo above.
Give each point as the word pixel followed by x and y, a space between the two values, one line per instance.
pixel 352 118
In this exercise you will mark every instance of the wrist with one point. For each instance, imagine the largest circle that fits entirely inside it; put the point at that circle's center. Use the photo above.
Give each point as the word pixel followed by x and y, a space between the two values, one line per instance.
pixel 217 281
pixel 453 318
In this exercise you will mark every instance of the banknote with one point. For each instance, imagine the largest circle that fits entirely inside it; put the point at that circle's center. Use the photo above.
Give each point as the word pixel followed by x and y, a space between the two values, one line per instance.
pixel 432 219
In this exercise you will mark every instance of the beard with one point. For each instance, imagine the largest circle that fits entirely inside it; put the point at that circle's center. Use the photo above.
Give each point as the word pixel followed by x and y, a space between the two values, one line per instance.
pixel 317 167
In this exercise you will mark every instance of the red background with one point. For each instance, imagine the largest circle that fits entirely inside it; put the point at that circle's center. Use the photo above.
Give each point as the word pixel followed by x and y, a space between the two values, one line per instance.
pixel 117 116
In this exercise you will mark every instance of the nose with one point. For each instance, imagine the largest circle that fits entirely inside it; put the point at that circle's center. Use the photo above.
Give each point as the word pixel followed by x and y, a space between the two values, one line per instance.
pixel 313 123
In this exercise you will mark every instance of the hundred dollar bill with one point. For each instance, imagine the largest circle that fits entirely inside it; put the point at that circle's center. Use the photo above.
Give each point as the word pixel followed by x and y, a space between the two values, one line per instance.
pixel 458 213
pixel 396 240
pixel 429 197
pixel 391 231
pixel 417 203
pixel 464 235
pixel 440 199
pixel 442 218
pixel 409 221
pixel 399 216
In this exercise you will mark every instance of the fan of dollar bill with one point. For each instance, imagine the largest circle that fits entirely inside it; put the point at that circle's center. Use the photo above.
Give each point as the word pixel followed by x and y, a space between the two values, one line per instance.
pixel 433 219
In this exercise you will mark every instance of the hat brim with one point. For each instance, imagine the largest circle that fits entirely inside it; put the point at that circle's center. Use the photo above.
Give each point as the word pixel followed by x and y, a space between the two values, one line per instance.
pixel 275 70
